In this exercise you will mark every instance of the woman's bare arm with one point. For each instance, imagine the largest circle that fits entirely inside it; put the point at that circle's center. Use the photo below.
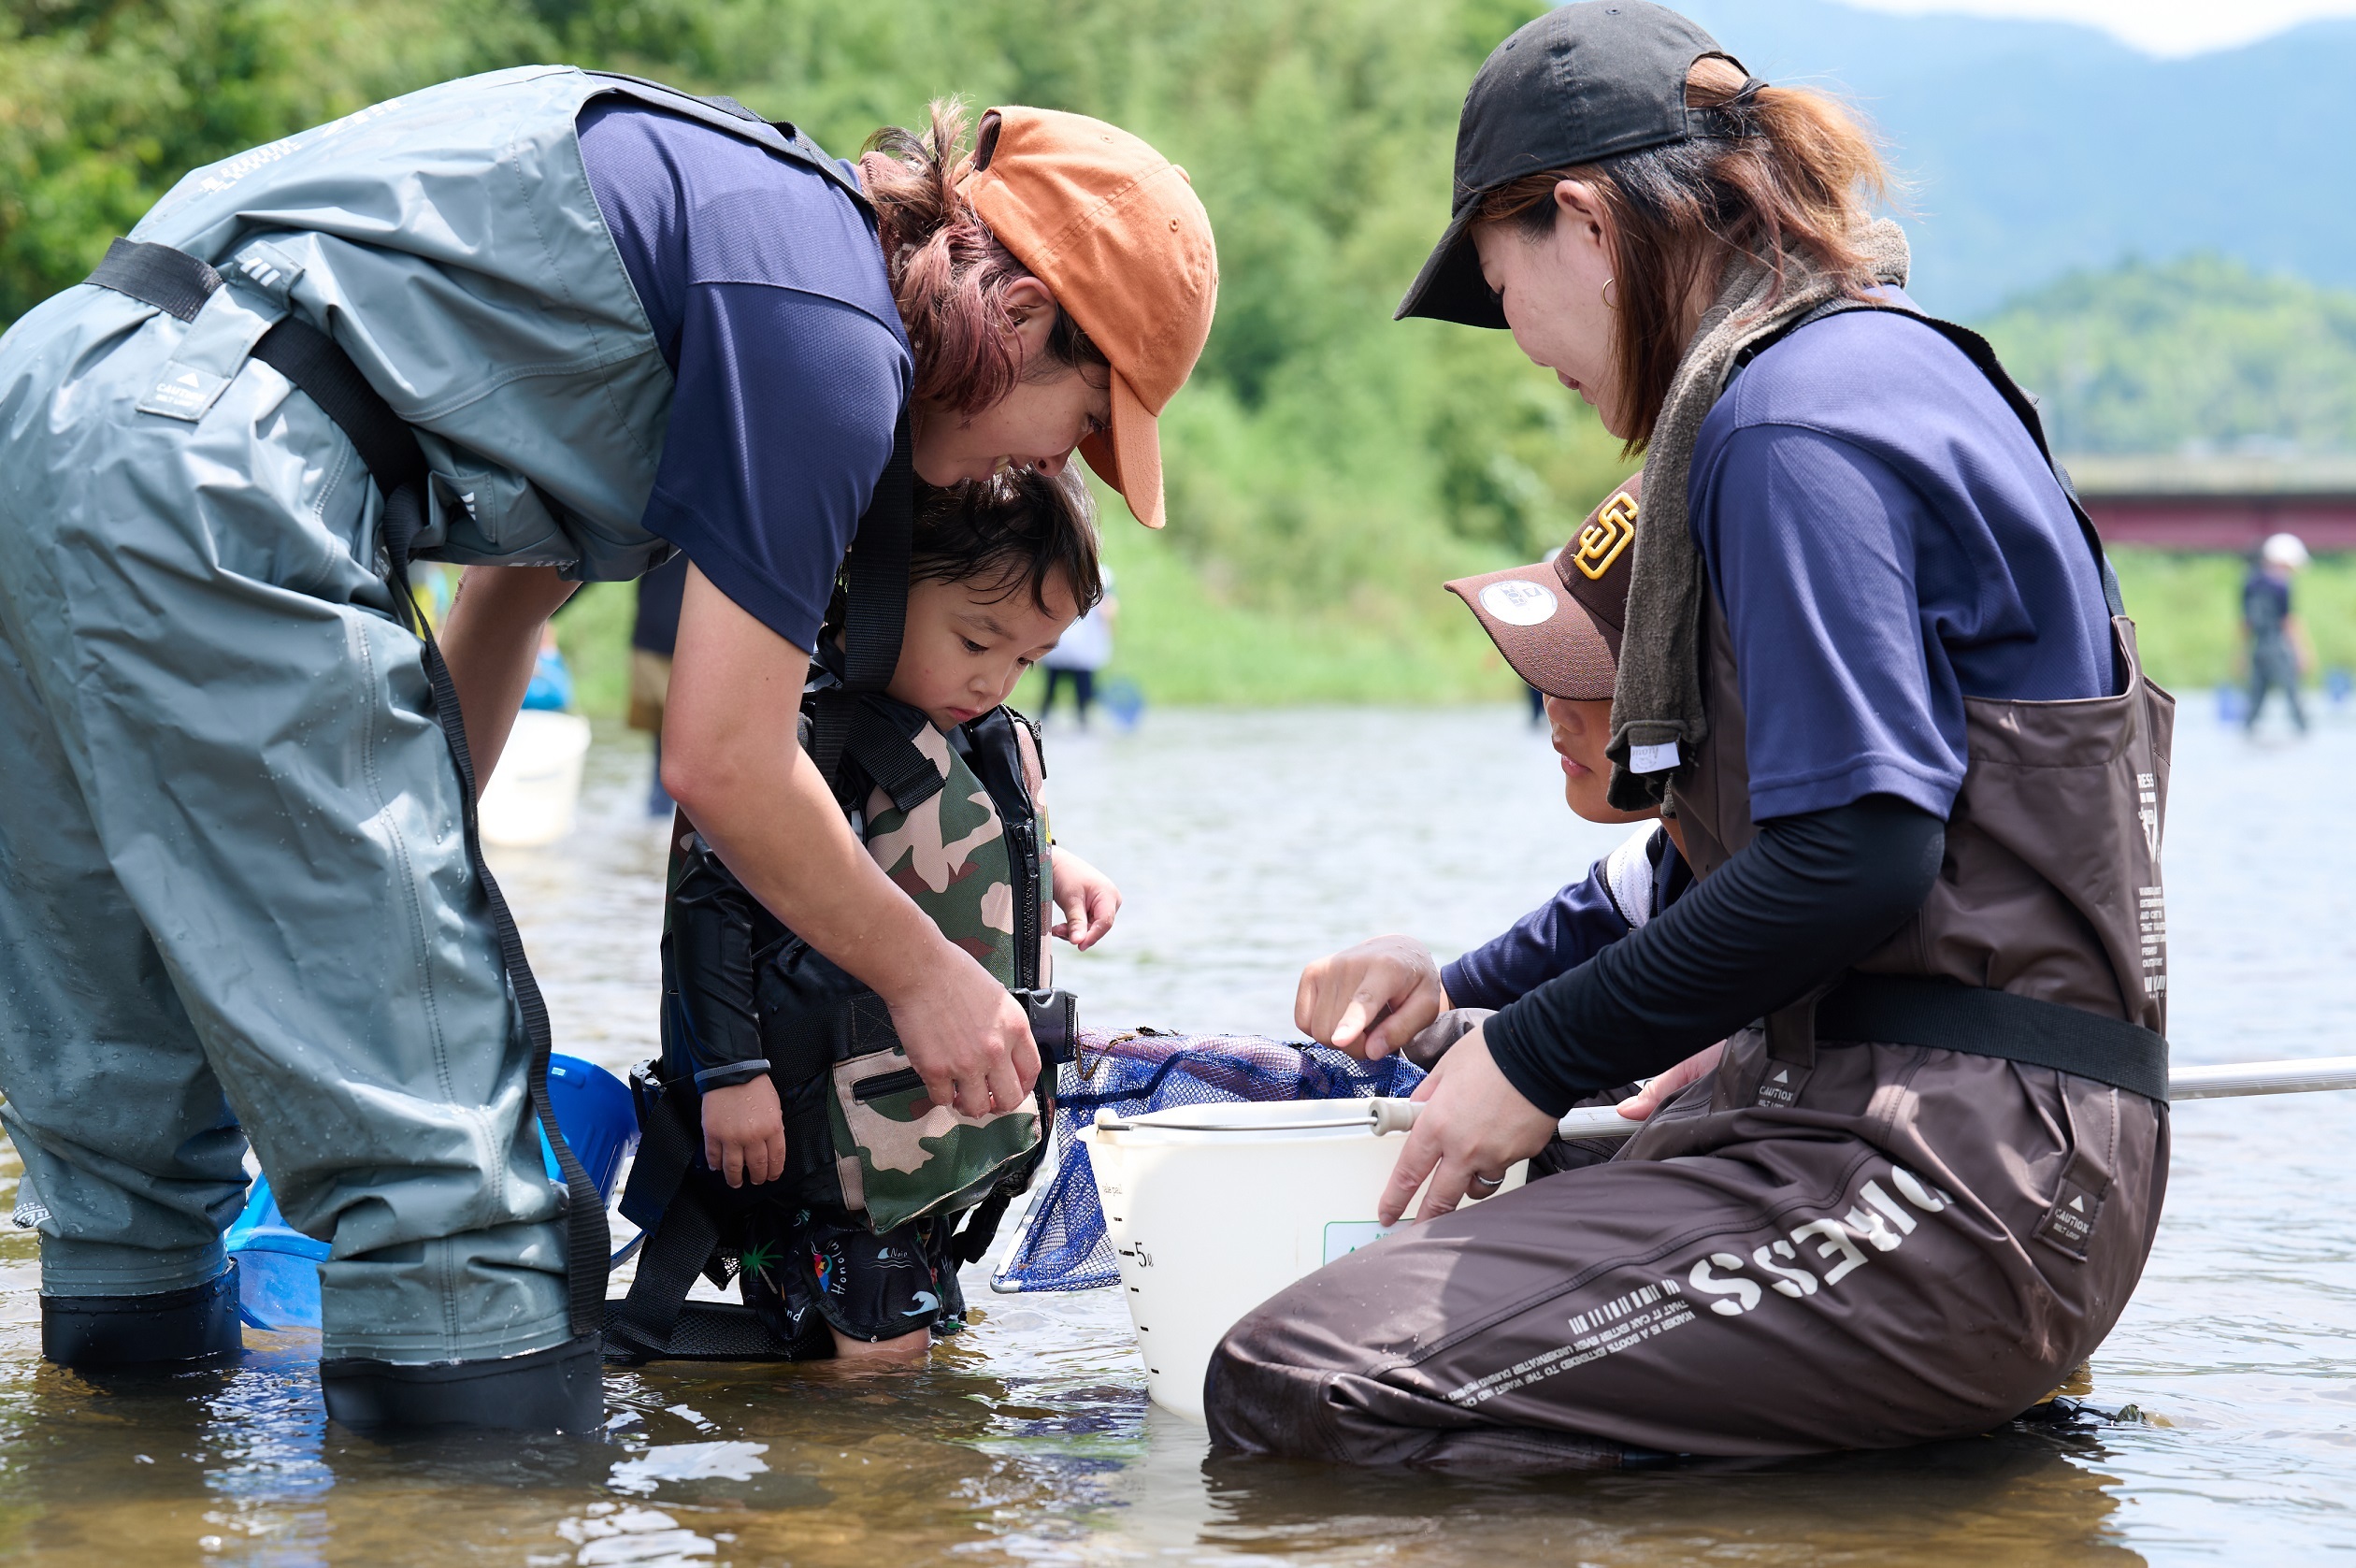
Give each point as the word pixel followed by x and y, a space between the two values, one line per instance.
pixel 490 641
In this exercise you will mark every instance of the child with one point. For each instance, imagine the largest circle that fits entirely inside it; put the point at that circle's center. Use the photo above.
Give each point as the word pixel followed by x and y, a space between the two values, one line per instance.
pixel 1572 655
pixel 843 1183
pixel 1557 624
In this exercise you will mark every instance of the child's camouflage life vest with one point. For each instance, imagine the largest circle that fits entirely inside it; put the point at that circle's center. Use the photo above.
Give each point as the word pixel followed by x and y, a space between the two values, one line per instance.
pixel 956 820
pixel 971 855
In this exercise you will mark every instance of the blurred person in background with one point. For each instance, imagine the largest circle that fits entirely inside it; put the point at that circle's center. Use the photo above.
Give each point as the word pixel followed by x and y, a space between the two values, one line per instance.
pixel 2279 654
pixel 1086 647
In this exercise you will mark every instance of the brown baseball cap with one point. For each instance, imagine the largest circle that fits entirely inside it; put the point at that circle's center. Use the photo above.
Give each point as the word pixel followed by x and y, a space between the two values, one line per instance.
pixel 1116 233
pixel 1559 623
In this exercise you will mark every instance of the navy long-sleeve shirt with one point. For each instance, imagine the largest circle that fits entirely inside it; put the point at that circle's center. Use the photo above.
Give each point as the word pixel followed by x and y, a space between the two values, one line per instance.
pixel 1620 892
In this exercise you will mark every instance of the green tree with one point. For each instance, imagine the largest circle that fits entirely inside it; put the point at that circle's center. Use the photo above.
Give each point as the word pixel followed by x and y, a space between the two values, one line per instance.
pixel 1328 468
pixel 104 104
pixel 2200 352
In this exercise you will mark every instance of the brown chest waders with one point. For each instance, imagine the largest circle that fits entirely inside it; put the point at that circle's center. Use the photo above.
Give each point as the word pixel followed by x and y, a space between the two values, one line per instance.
pixel 1902 1209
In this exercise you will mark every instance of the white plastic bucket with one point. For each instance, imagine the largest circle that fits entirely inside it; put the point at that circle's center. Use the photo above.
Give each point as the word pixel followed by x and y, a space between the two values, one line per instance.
pixel 1213 1209
pixel 532 796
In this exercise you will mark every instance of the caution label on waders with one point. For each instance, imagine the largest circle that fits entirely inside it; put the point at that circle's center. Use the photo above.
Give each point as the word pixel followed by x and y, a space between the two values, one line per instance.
pixel 182 392
pixel 2070 1223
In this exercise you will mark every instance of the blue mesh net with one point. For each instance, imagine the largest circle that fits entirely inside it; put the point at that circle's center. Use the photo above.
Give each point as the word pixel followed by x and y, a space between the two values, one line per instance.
pixel 1061 1244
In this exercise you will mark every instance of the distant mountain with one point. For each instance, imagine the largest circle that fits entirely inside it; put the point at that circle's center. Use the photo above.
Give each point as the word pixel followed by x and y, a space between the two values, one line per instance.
pixel 2200 356
pixel 2037 148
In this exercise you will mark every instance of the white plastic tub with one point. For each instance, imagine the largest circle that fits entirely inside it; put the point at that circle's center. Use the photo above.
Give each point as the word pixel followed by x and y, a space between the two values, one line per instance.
pixel 1213 1209
pixel 534 793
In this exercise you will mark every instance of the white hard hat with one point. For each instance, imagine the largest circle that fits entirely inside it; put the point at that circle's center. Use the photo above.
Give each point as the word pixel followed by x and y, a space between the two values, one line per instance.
pixel 2283 550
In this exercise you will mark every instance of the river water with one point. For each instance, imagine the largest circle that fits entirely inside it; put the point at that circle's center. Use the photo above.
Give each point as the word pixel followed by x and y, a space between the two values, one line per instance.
pixel 1247 843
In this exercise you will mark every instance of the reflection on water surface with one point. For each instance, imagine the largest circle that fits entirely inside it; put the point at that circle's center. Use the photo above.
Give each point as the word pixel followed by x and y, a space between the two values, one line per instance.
pixel 1247 843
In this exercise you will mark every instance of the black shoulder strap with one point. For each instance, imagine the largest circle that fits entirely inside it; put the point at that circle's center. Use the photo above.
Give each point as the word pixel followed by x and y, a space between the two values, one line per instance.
pixel 875 613
pixel 178 284
pixel 873 742
pixel 875 618
pixel 172 281
pixel 1983 358
pixel 888 755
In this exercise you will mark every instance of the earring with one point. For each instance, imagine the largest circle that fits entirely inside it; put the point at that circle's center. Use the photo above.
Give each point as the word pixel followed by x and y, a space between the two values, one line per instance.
pixel 1609 304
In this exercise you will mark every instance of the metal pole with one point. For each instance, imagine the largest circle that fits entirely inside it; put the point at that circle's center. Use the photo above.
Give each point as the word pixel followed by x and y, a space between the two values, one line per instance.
pixel 2263 1077
pixel 2185 1083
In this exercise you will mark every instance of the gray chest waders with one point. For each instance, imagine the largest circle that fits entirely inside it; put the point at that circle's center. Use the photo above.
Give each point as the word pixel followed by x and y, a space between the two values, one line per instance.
pixel 178 284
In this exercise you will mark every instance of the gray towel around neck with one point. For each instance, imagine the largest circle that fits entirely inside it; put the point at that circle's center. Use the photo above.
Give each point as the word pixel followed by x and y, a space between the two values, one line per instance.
pixel 1657 698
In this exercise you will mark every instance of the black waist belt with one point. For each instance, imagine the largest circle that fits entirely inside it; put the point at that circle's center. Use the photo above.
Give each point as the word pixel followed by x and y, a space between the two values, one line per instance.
pixel 1913 1010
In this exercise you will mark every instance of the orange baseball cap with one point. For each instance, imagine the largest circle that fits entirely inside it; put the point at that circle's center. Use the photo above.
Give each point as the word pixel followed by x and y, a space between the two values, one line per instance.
pixel 1116 233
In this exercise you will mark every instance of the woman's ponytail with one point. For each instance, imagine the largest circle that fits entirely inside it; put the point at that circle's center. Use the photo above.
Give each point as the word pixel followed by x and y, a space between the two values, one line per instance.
pixel 1798 166
pixel 949 274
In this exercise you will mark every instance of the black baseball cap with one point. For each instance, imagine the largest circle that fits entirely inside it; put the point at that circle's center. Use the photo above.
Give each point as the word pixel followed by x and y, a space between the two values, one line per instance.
pixel 1581 83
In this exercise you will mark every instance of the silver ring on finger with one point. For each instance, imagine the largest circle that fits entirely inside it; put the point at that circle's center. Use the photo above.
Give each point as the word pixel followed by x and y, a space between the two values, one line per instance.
pixel 1482 1187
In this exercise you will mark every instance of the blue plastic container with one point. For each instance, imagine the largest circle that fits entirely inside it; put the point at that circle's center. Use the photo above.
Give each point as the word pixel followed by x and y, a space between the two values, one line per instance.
pixel 278 1267
pixel 593 1107
pixel 552 687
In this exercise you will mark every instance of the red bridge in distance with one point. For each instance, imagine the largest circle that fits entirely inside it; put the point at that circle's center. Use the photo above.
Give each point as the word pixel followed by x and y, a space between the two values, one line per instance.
pixel 2218 503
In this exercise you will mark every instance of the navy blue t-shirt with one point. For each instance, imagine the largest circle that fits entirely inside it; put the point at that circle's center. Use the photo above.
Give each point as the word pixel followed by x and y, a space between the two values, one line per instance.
pixel 1886 540
pixel 766 293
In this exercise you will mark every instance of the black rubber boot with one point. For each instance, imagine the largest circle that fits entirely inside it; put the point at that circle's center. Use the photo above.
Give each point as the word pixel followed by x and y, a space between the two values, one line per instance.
pixel 171 1328
pixel 557 1389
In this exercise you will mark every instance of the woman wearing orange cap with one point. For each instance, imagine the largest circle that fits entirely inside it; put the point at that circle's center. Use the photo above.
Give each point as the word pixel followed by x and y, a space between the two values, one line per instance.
pixel 552 325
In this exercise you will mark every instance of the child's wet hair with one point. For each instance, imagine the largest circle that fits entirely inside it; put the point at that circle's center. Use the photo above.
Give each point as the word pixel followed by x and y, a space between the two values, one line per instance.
pixel 1017 529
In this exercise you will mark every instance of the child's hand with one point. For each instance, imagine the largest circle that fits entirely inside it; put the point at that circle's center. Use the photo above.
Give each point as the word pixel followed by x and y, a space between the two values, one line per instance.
pixel 744 1132
pixel 1653 1096
pixel 1372 998
pixel 1087 898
